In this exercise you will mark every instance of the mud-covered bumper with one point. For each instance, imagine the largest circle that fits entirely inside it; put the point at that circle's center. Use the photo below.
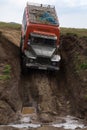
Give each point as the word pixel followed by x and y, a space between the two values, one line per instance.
pixel 42 67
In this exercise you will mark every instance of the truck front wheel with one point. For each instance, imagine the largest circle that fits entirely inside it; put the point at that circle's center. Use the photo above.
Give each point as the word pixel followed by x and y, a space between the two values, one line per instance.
pixel 24 69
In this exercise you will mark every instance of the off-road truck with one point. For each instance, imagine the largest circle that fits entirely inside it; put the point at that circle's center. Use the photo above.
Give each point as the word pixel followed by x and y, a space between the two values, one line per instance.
pixel 40 38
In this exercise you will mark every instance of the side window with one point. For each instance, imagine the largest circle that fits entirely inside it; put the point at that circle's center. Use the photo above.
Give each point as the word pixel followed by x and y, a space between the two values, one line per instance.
pixel 24 20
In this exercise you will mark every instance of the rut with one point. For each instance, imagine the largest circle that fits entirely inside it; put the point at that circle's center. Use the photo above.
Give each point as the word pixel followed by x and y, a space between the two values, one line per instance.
pixel 46 91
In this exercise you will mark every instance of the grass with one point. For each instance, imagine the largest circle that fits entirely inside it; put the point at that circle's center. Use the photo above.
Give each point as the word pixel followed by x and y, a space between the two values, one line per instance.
pixel 85 96
pixel 4 77
pixel 75 31
pixel 7 69
pixel 83 66
pixel 80 63
pixel 6 73
pixel 10 25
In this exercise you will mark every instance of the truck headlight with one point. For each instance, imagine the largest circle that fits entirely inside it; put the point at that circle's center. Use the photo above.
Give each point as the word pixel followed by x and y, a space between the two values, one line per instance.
pixel 56 58
pixel 30 55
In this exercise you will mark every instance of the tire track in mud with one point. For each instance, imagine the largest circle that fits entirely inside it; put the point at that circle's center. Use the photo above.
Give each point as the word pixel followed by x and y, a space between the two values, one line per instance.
pixel 47 101
pixel 46 93
pixel 24 90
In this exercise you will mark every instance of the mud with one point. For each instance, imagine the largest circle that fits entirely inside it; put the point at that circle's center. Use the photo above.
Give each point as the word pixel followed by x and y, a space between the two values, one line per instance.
pixel 52 94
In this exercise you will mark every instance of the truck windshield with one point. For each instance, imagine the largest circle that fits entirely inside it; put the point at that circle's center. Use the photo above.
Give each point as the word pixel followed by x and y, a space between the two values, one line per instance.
pixel 43 41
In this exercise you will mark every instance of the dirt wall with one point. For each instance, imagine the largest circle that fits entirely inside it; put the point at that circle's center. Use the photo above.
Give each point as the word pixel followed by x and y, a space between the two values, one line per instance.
pixel 74 54
pixel 9 80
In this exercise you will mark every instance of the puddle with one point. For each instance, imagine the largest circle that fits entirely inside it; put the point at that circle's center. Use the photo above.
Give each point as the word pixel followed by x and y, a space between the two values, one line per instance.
pixel 24 125
pixel 70 123
pixel 67 122
pixel 25 122
pixel 25 119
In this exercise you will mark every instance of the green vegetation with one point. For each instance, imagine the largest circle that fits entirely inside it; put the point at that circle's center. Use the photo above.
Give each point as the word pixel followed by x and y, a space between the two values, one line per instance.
pixel 7 69
pixel 85 96
pixel 83 66
pixel 4 77
pixel 10 25
pixel 80 63
pixel 74 31
pixel 6 73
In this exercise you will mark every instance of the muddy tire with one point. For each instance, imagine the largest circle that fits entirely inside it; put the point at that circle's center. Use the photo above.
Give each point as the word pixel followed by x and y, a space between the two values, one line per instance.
pixel 22 59
pixel 24 69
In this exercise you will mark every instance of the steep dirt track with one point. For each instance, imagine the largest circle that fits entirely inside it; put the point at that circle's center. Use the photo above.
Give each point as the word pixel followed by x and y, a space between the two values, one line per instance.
pixel 43 91
pixel 51 94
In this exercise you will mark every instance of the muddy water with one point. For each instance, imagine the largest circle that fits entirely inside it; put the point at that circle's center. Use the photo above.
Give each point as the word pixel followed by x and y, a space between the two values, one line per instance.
pixel 63 123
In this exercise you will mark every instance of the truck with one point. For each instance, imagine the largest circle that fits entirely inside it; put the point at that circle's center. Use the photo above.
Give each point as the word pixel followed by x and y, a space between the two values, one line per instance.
pixel 40 33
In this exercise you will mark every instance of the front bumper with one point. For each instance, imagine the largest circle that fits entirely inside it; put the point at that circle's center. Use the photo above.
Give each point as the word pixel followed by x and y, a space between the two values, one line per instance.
pixel 42 67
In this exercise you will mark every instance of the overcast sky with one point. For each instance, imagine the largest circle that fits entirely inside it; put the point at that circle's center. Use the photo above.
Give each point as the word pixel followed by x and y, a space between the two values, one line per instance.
pixel 71 13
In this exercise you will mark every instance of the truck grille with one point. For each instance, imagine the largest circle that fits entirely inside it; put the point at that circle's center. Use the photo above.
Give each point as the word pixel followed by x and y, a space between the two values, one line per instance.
pixel 43 60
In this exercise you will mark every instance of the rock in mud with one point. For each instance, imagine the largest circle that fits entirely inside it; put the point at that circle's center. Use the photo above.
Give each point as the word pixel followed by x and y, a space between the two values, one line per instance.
pixel 46 118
